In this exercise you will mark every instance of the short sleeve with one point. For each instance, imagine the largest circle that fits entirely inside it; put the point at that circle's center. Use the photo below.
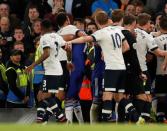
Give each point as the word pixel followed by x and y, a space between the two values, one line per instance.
pixel 45 42
pixel 61 40
pixel 97 36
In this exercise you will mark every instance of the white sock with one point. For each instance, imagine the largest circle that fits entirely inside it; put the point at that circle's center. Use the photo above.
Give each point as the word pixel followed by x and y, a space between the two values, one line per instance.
pixel 69 113
pixel 94 113
pixel 116 110
pixel 78 112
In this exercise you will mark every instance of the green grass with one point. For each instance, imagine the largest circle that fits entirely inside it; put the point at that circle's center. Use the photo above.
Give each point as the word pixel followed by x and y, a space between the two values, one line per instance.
pixel 99 127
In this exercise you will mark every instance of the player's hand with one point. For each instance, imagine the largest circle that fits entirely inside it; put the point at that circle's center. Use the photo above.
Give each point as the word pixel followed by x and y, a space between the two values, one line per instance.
pixel 164 65
pixel 68 45
pixel 143 76
pixel 70 66
pixel 29 69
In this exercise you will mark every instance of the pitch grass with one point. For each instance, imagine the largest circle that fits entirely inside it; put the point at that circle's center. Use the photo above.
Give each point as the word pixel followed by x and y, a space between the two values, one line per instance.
pixel 85 127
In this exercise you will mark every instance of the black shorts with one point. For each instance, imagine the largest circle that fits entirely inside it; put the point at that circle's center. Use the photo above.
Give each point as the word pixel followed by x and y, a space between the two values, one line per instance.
pixel 51 83
pixel 114 81
pixel 161 84
pixel 134 84
pixel 65 76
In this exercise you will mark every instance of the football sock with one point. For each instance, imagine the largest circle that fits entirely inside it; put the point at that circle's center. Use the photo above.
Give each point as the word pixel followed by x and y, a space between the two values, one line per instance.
pixel 107 110
pixel 42 105
pixel 94 113
pixel 146 111
pixel 69 110
pixel 139 105
pixel 78 111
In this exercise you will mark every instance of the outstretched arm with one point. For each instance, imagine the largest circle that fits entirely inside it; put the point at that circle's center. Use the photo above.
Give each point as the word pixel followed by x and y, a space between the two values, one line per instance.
pixel 44 56
pixel 81 40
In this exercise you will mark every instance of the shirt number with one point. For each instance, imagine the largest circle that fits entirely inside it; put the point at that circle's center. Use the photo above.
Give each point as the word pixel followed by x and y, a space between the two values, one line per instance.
pixel 116 38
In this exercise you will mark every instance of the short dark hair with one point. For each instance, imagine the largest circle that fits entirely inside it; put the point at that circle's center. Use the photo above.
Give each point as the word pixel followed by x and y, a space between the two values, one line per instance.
pixel 129 19
pixel 46 24
pixel 33 6
pixel 61 19
pixel 143 19
pixel 117 15
pixel 15 52
pixel 163 23
pixel 92 23
pixel 18 27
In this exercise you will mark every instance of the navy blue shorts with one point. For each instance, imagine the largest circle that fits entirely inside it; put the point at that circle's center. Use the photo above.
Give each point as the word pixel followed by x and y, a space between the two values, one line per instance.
pixel 76 79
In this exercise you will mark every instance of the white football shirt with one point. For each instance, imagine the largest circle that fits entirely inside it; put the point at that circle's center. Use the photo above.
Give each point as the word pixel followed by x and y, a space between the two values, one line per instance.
pixel 52 64
pixel 110 39
pixel 67 30
pixel 144 43
pixel 161 41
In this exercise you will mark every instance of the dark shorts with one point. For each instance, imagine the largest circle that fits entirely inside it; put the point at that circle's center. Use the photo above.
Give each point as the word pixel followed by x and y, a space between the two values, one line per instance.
pixel 114 81
pixel 51 83
pixel 134 84
pixel 161 84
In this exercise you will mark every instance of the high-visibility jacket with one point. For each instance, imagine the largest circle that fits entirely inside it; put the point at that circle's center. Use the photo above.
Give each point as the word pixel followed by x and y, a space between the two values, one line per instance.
pixel 38 70
pixel 21 83
pixel 4 79
pixel 3 70
pixel 85 91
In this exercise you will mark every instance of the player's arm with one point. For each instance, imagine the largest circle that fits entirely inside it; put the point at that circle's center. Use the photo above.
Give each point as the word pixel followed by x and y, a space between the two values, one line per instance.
pixel 68 37
pixel 44 56
pixel 159 52
pixel 164 64
pixel 80 33
pixel 81 40
pixel 125 46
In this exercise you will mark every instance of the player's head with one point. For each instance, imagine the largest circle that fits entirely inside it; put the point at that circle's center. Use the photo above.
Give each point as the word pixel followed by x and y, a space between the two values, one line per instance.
pixel 143 20
pixel 117 16
pixel 62 19
pixel 46 26
pixel 163 23
pixel 101 18
pixel 129 20
pixel 79 23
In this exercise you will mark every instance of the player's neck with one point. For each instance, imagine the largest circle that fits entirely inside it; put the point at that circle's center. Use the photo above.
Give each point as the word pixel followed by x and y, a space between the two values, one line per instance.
pixel 103 26
pixel 129 28
pixel 163 31
pixel 142 28
pixel 117 24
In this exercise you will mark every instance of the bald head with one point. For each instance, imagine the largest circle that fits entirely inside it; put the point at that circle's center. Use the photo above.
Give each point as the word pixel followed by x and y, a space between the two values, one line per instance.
pixel 4 24
pixel 4 10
